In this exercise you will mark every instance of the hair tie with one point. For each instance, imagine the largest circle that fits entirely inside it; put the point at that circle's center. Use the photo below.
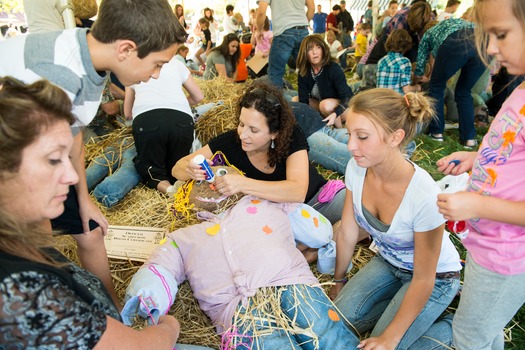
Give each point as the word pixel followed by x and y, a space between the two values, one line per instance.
pixel 406 100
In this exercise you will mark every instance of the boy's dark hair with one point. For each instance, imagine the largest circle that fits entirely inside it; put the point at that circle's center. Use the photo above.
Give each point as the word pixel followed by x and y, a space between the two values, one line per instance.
pixel 365 26
pixel 370 3
pixel 393 2
pixel 150 24
pixel 229 8
pixel 336 7
pixel 398 41
pixel 451 3
pixel 203 20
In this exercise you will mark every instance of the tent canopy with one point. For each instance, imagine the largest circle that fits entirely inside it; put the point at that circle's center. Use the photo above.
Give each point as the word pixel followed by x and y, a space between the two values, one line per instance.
pixel 362 5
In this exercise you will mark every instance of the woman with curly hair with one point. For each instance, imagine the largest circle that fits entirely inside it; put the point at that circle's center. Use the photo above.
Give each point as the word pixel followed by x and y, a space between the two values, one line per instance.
pixel 269 147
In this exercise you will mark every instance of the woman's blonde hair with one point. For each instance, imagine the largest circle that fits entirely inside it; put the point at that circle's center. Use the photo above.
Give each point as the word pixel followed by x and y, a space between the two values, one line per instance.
pixel 482 38
pixel 302 58
pixel 25 110
pixel 392 111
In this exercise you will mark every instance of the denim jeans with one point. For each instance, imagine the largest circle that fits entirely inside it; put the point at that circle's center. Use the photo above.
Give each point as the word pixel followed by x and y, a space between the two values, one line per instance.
pixel 284 46
pixel 331 210
pixel 305 307
pixel 328 147
pixel 114 187
pixel 372 297
pixel 488 302
pixel 456 53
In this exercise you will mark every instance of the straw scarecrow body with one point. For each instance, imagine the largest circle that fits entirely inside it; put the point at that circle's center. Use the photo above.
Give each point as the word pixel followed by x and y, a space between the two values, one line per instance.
pixel 246 273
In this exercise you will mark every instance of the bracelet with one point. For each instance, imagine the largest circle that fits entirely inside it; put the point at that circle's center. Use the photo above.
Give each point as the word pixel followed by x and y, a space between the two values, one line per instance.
pixel 342 280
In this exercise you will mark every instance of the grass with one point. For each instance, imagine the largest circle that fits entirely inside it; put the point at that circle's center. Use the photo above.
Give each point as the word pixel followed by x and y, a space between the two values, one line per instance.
pixel 427 153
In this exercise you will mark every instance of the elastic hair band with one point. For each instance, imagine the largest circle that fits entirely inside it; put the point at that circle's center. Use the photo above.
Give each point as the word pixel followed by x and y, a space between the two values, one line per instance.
pixel 406 100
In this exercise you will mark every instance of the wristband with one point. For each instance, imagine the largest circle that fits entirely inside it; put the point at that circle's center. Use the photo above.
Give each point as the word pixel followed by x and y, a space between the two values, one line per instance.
pixel 342 280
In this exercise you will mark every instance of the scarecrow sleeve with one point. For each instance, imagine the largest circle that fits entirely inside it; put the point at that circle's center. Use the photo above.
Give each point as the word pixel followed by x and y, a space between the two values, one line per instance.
pixel 153 288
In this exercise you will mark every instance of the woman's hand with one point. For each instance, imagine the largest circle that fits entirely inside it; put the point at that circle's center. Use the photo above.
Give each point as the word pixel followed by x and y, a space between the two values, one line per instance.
pixel 377 343
pixel 335 290
pixel 456 163
pixel 458 206
pixel 330 120
pixel 229 184
pixel 195 171
pixel 89 211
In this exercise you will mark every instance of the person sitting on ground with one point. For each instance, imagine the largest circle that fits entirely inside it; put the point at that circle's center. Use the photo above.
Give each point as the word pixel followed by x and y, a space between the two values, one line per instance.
pixel 394 71
pixel 335 49
pixel 321 82
pixel 163 126
pixel 400 294
pixel 223 59
pixel 46 301
pixel 182 54
pixel 361 40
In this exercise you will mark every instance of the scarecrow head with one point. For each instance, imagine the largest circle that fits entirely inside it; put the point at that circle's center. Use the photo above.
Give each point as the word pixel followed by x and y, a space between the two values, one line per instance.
pixel 198 196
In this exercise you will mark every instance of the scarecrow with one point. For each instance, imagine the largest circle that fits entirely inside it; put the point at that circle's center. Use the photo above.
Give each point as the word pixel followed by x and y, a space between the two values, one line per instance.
pixel 245 271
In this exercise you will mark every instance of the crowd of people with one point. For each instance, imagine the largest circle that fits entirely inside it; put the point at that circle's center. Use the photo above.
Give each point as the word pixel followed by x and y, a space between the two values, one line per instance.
pixel 52 83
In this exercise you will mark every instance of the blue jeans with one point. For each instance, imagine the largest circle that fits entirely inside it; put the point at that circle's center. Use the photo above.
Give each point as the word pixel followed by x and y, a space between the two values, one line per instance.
pixel 328 147
pixel 114 187
pixel 305 307
pixel 372 297
pixel 457 52
pixel 331 210
pixel 488 302
pixel 284 46
pixel 347 39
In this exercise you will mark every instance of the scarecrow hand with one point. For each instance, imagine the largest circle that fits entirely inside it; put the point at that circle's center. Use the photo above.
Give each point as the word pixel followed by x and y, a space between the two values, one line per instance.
pixel 458 206
pixel 456 163
pixel 150 294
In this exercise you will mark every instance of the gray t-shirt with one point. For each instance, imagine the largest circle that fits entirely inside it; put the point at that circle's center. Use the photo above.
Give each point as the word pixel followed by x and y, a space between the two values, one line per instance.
pixel 215 57
pixel 287 14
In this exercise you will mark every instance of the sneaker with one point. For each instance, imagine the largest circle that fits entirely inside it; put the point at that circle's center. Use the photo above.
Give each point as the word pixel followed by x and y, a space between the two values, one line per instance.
pixel 470 144
pixel 436 138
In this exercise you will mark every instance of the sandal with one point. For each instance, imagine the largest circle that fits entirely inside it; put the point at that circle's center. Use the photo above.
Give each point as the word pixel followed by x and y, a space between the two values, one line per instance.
pixel 436 138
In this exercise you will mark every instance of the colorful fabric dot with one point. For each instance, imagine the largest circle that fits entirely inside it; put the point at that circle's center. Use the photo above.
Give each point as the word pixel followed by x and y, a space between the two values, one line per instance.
pixel 333 315
pixel 255 201
pixel 251 210
pixel 266 229
pixel 162 241
pixel 213 230
pixel 305 213
pixel 316 222
pixel 174 244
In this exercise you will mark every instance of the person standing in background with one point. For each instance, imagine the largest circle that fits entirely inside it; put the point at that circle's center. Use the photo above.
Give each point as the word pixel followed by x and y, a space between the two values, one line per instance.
pixel 228 24
pixel 345 19
pixel 319 22
pixel 43 16
pixel 290 27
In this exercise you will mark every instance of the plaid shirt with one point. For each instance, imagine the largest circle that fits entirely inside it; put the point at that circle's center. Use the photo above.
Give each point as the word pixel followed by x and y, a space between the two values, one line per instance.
pixel 393 72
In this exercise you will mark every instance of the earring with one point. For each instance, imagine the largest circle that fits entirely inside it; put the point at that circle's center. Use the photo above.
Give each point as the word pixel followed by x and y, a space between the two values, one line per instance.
pixel 272 145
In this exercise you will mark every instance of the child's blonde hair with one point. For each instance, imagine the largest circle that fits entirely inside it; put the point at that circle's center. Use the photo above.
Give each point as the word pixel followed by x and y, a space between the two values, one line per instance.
pixel 482 38
pixel 393 111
